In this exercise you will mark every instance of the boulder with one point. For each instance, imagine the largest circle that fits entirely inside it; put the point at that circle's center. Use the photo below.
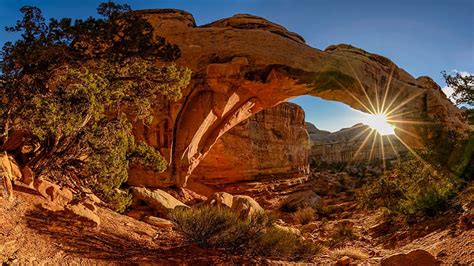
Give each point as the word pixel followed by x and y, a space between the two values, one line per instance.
pixel 157 199
pixel 84 214
pixel 301 200
pixel 344 261
pixel 245 206
pixel 158 222
pixel 416 257
pixel 28 176
pixel 220 199
pixel 52 192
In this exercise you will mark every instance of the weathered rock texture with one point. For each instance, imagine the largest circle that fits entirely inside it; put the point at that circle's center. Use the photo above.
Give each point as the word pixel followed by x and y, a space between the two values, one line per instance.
pixel 255 154
pixel 350 144
pixel 244 64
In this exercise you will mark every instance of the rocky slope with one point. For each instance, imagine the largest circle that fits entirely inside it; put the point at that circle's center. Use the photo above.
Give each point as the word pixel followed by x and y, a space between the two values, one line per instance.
pixel 342 146
pixel 270 147
pixel 244 64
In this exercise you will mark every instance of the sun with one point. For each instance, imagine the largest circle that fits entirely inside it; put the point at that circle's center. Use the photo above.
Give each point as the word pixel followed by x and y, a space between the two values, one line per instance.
pixel 380 124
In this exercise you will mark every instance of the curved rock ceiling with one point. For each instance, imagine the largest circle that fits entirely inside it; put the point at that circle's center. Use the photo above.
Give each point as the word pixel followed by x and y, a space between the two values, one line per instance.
pixel 245 63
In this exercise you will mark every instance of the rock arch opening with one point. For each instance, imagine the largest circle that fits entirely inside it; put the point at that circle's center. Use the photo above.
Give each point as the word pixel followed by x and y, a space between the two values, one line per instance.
pixel 245 64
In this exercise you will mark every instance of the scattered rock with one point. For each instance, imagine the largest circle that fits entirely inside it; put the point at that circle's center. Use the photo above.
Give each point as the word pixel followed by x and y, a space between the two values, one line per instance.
pixel 52 192
pixel 311 226
pixel 344 261
pixel 157 199
pixel 158 222
pixel 28 176
pixel 85 214
pixel 220 199
pixel 466 221
pixel 417 257
pixel 245 206
pixel 186 195
pixel 301 200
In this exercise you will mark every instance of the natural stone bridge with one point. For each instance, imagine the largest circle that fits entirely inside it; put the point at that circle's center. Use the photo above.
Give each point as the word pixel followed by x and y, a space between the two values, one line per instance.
pixel 244 64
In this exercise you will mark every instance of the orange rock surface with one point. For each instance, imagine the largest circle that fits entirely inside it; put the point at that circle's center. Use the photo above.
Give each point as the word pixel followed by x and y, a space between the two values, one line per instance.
pixel 244 64
pixel 273 142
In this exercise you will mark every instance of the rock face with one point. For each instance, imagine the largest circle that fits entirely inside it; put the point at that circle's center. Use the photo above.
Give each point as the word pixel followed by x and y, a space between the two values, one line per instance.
pixel 244 64
pixel 344 145
pixel 270 145
pixel 415 257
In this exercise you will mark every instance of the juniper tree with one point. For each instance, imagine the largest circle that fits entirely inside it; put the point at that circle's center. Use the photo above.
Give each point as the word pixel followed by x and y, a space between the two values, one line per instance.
pixel 75 87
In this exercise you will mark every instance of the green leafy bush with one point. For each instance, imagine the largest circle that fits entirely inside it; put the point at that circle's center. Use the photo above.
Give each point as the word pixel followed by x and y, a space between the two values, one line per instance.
pixel 414 189
pixel 220 227
pixel 76 87
pixel 428 201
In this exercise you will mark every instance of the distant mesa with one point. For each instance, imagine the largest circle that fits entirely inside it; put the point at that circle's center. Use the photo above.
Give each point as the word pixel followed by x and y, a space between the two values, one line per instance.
pixel 342 145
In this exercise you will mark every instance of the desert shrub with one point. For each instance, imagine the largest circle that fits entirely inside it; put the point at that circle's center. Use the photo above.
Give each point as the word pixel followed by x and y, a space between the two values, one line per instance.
pixel 428 201
pixel 278 243
pixel 384 192
pixel 204 225
pixel 116 200
pixel 304 216
pixel 414 189
pixel 219 227
pixel 342 232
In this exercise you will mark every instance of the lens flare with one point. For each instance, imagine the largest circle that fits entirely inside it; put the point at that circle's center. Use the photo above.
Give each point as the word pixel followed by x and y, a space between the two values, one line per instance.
pixel 380 124
pixel 384 113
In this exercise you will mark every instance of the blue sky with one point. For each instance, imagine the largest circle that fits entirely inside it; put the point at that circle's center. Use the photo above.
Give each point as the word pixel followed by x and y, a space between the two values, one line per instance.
pixel 424 37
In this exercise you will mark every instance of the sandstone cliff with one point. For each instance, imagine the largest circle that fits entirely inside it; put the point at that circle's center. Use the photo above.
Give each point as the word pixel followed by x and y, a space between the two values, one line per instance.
pixel 347 145
pixel 244 64
pixel 257 153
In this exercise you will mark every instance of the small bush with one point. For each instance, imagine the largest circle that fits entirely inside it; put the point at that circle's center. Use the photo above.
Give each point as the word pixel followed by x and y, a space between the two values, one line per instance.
pixel 384 192
pixel 278 243
pixel 341 233
pixel 429 201
pixel 304 216
pixel 219 227
pixel 203 225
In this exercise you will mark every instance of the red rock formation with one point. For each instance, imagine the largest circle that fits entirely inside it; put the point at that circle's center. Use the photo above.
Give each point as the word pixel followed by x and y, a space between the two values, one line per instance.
pixel 255 153
pixel 244 64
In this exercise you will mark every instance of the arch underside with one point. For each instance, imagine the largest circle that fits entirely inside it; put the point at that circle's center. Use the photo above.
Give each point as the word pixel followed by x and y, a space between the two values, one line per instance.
pixel 238 72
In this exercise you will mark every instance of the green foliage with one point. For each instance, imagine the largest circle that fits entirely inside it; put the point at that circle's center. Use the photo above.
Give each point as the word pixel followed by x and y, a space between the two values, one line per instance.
pixel 342 232
pixel 413 189
pixel 383 192
pixel 77 87
pixel 428 201
pixel 278 243
pixel 463 87
pixel 219 227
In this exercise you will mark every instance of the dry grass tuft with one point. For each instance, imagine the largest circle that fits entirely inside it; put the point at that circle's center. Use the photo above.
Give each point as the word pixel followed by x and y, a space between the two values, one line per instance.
pixel 351 252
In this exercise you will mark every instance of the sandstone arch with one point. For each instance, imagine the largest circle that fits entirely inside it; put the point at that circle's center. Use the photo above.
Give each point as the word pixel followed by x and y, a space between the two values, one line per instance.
pixel 245 63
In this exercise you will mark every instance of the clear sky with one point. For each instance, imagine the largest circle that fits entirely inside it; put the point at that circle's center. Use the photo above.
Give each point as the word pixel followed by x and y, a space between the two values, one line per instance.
pixel 424 37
